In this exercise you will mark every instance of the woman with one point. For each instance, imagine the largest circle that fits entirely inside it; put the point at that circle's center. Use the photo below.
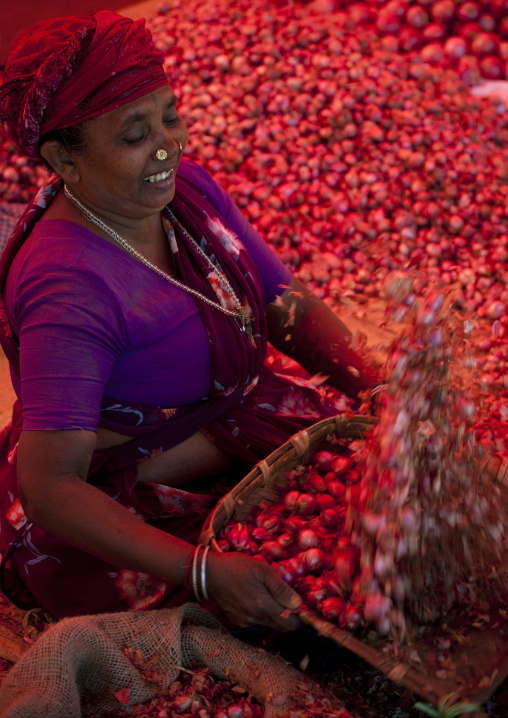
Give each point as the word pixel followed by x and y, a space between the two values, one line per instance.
pixel 137 302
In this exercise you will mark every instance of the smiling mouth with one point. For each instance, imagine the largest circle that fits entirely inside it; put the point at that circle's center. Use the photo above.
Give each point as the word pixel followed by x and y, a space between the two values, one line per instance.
pixel 160 176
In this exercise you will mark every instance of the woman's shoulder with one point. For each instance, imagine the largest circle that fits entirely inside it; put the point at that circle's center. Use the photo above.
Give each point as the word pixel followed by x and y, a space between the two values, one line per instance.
pixel 61 253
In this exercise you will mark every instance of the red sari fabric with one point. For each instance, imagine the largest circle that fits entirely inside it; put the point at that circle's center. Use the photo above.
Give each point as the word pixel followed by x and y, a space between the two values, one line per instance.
pixel 250 411
pixel 66 70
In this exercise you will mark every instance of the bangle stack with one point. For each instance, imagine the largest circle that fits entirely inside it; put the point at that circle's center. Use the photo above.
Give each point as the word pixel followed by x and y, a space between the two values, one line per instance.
pixel 197 569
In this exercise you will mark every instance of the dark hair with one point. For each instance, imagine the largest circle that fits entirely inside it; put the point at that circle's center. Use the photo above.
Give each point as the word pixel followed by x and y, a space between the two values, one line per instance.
pixel 73 139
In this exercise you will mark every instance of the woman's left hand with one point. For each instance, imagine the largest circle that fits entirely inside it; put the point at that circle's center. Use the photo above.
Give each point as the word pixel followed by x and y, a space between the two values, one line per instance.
pixel 251 593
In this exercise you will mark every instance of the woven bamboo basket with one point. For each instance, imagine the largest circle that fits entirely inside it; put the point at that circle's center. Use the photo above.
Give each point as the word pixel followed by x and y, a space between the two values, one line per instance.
pixel 266 480
pixel 481 663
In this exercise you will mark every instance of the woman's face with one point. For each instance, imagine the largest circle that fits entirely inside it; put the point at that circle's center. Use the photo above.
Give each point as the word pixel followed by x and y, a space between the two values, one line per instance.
pixel 118 175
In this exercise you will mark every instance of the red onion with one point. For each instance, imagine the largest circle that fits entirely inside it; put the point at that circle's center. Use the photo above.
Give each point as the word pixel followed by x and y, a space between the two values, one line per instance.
pixel 314 596
pixel 342 464
pixel 410 39
pixel 332 584
pixel 323 461
pixel 488 23
pixel 325 502
pixel 305 505
pixel 293 524
pixel 297 565
pixel 470 30
pixel 397 7
pixel 332 608
pixel 417 17
pixel 271 550
pixel 345 564
pixel 285 540
pixel 268 521
pixel 387 23
pixel 455 48
pixel 290 500
pixel 434 32
pixel 351 618
pixel 313 559
pixel 238 537
pixel 442 11
pixel 492 68
pixel 484 44
pixel 260 534
pixel 468 69
pixel 315 482
pixel 330 518
pixel 307 538
pixel 468 11
pixel 360 14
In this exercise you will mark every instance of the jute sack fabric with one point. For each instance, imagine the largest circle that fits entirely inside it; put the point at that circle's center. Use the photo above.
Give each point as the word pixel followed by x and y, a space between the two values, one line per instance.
pixel 76 667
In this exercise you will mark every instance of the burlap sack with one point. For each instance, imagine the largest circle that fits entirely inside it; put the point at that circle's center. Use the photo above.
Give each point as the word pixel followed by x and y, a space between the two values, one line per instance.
pixel 76 667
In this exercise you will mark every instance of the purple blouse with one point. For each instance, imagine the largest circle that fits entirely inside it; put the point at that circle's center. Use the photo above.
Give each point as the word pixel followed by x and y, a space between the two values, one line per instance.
pixel 94 322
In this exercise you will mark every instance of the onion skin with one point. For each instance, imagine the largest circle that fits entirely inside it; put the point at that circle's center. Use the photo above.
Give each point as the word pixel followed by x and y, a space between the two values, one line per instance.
pixel 307 538
pixel 337 489
pixel 293 524
pixel 468 12
pixel 352 617
pixel 325 502
pixel 491 68
pixel 313 559
pixel 332 608
pixel 323 461
pixel 345 562
pixel 484 44
pixel 271 550
pixel 455 48
pixel 305 505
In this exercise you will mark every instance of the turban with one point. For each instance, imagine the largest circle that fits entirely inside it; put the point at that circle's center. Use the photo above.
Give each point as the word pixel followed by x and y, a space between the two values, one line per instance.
pixel 66 70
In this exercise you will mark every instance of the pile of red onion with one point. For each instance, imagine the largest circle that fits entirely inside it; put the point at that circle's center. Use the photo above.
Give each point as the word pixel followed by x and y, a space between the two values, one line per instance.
pixel 300 535
pixel 470 36
pixel 198 694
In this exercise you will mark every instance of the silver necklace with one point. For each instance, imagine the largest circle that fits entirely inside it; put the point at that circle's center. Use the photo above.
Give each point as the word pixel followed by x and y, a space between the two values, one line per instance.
pixel 238 313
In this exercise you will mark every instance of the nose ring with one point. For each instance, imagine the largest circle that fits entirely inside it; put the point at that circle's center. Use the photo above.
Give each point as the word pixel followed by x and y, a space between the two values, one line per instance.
pixel 161 154
pixel 180 146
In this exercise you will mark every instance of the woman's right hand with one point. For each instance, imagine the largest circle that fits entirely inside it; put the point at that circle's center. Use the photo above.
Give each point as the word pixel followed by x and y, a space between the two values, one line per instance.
pixel 250 592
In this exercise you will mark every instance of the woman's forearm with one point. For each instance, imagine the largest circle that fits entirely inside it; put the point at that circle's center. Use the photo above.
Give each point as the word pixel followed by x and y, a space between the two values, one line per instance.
pixel 63 504
pixel 305 328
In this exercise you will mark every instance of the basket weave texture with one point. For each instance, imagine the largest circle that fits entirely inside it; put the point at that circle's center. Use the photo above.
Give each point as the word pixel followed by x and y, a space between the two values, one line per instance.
pixel 266 481
pixel 485 657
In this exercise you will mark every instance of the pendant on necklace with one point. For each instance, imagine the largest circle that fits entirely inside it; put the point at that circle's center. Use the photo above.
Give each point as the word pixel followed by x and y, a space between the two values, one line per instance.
pixel 246 323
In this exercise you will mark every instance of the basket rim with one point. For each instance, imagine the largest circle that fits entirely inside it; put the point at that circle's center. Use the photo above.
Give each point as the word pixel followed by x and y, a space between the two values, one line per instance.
pixel 299 443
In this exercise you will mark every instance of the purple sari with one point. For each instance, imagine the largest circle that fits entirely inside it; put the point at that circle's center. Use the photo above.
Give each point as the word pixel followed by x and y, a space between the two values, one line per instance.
pixel 250 411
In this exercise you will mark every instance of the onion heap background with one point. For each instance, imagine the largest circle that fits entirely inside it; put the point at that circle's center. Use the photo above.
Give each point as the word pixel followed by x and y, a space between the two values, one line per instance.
pixel 350 156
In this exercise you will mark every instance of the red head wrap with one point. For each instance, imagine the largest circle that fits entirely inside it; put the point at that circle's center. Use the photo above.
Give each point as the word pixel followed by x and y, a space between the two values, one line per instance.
pixel 69 69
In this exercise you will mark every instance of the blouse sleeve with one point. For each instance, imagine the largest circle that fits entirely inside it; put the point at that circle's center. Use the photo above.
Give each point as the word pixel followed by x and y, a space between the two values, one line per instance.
pixel 70 337
pixel 275 275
